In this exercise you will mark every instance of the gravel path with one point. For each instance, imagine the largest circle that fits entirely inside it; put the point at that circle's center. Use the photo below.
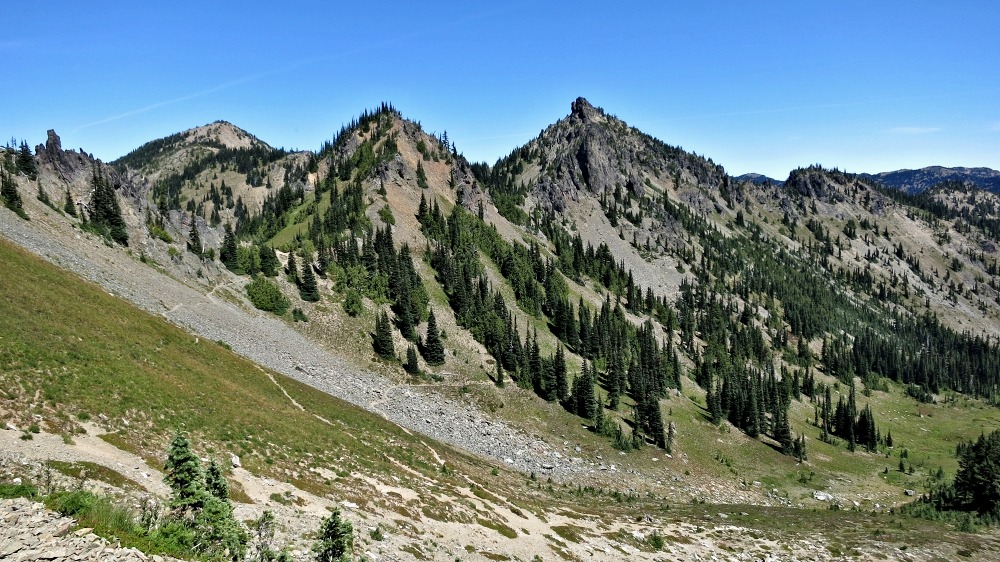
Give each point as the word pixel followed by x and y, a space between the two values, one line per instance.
pixel 271 343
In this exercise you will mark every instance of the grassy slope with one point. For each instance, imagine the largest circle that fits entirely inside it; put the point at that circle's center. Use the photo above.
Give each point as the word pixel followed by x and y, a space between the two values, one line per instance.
pixel 927 432
pixel 68 348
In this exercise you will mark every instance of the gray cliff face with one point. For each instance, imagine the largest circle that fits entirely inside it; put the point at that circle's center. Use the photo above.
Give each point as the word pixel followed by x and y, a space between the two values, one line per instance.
pixel 590 151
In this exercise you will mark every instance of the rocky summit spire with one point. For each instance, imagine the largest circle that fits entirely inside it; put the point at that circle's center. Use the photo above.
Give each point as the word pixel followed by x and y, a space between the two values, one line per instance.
pixel 53 144
pixel 581 108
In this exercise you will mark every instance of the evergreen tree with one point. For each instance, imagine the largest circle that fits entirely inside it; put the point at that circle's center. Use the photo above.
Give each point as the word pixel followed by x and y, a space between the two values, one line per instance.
pixel 411 366
pixel 182 472
pixel 586 405
pixel 799 448
pixel 422 209
pixel 421 176
pixel 215 482
pixel 227 253
pixel 782 432
pixel 308 289
pixel 559 372
pixel 500 375
pixel 977 482
pixel 217 532
pixel 70 206
pixel 292 268
pixel 105 212
pixel 383 337
pixel 269 262
pixel 336 538
pixel 11 198
pixel 653 421
pixel 534 364
pixel 26 161
pixel 194 238
pixel 433 346
pixel 43 196
pixel 200 503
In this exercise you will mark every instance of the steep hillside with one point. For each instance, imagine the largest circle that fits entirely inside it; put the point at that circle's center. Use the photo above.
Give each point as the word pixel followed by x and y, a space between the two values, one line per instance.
pixel 214 174
pixel 649 321
pixel 303 452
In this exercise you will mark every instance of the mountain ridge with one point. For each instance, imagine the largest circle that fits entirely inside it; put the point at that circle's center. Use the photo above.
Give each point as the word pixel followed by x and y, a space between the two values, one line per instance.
pixel 598 255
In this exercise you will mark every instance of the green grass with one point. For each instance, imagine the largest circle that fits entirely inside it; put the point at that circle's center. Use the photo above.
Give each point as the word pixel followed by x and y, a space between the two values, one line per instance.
pixel 84 470
pixel 70 348
pixel 70 351
pixel 110 521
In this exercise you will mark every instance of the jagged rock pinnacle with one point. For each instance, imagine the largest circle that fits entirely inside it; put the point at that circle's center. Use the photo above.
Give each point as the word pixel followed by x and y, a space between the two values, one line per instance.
pixel 52 144
pixel 582 108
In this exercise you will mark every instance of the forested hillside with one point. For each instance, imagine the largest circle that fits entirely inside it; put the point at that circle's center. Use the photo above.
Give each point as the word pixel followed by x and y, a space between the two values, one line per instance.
pixel 597 285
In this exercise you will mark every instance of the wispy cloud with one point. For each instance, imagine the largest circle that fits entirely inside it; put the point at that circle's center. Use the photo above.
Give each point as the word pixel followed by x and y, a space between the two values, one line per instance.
pixel 391 41
pixel 157 105
pixel 914 130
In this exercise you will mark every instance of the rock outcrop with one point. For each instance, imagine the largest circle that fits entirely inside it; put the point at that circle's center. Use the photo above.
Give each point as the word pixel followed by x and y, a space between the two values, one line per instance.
pixel 28 532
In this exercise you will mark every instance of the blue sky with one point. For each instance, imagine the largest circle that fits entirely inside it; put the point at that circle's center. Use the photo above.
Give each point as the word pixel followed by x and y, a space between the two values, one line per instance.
pixel 756 86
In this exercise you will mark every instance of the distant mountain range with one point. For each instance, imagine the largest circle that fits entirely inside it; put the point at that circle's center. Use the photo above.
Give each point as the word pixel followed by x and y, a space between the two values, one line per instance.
pixel 759 179
pixel 913 181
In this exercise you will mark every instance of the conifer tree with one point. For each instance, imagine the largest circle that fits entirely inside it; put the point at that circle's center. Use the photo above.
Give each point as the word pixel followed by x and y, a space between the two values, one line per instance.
pixel 182 472
pixel 200 502
pixel 217 533
pixel 227 253
pixel 269 262
pixel 782 432
pixel 653 419
pixel 500 375
pixel 411 366
pixel 583 394
pixel 215 482
pixel 421 176
pixel 194 238
pixel 422 209
pixel 26 161
pixel 105 212
pixel 383 337
pixel 535 364
pixel 11 198
pixel 799 448
pixel 70 206
pixel 292 269
pixel 559 372
pixel 335 540
pixel 308 289
pixel 433 347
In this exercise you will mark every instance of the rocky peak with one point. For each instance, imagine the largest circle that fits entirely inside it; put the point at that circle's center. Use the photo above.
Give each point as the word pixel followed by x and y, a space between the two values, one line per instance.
pixel 67 164
pixel 53 143
pixel 222 133
pixel 582 109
